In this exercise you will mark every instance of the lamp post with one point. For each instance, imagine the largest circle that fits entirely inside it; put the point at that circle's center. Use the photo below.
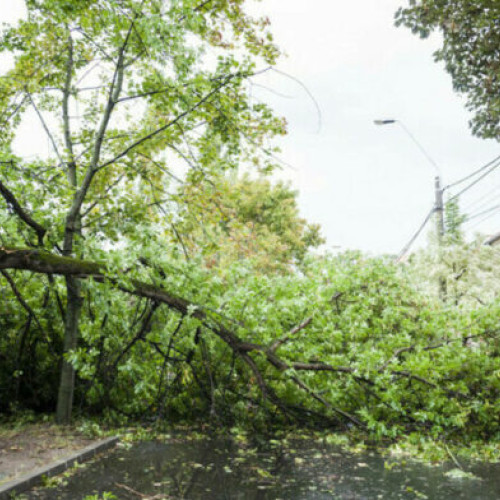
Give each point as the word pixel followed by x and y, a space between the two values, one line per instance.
pixel 438 189
pixel 438 198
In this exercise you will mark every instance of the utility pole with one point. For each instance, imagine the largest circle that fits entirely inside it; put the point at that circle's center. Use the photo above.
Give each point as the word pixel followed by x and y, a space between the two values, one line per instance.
pixel 438 190
pixel 439 208
pixel 438 199
pixel 440 231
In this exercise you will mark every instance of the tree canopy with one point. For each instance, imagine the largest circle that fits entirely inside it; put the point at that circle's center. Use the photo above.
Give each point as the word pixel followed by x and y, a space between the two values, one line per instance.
pixel 124 91
pixel 470 51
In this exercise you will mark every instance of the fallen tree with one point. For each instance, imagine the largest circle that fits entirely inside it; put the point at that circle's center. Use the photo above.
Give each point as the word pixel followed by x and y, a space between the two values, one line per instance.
pixel 377 381
pixel 39 261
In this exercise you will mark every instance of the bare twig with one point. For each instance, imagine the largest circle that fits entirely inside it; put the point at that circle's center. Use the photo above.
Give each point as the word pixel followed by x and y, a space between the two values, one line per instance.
pixel 278 343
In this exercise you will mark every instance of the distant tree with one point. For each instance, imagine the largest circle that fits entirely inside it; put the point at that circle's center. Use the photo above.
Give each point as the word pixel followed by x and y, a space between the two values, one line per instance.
pixel 470 51
pixel 228 218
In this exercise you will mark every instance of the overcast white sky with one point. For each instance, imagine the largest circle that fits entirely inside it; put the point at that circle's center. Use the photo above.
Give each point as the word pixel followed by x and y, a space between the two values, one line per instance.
pixel 369 187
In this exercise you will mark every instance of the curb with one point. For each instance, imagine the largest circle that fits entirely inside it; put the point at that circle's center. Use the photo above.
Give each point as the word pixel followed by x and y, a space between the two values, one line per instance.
pixel 34 478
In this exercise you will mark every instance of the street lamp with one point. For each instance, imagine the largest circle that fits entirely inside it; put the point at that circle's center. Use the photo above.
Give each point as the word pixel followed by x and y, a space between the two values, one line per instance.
pixel 438 190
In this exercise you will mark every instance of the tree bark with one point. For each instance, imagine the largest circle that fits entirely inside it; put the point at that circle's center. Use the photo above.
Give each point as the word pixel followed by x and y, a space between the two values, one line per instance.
pixel 73 286
pixel 67 379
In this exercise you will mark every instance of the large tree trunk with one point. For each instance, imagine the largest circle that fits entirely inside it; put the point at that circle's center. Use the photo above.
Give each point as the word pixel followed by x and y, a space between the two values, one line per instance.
pixel 67 378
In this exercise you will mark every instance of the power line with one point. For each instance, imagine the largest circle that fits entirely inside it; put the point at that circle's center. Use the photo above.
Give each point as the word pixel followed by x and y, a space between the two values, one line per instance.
pixel 405 249
pixel 422 149
pixel 483 212
pixel 478 171
pixel 480 221
pixel 308 92
pixel 481 207
pixel 495 163
pixel 484 199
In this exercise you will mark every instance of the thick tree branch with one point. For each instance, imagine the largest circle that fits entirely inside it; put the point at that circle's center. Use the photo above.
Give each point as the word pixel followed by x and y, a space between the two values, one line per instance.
pixel 21 213
pixel 47 263
pixel 44 262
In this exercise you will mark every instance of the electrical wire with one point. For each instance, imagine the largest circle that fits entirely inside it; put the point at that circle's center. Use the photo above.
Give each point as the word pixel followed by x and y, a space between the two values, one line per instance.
pixel 407 247
pixel 483 200
pixel 467 177
pixel 493 201
pixel 479 214
pixel 495 163
pixel 308 92
pixel 477 223
pixel 422 149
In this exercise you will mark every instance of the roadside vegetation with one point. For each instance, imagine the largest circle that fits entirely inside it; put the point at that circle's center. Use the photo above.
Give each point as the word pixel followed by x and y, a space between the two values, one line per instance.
pixel 151 271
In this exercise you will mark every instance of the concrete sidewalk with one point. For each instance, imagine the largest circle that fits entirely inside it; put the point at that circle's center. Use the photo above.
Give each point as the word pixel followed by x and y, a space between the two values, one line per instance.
pixel 34 477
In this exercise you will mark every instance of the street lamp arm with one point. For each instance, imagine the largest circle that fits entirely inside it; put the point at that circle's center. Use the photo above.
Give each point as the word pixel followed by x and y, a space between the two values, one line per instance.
pixel 412 137
pixel 438 197
pixel 424 152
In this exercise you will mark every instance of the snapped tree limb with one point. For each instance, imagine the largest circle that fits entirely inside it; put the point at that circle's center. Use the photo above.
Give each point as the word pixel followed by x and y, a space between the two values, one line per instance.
pixel 46 263
pixel 21 212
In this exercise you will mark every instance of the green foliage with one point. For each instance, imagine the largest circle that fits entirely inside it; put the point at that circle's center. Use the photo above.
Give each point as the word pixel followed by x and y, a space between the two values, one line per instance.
pixel 252 330
pixel 470 270
pixel 106 495
pixel 399 361
pixel 228 218
pixel 470 51
pixel 453 223
pixel 126 92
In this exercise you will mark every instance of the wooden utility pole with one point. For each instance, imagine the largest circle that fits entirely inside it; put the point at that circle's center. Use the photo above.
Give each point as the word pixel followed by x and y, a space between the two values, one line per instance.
pixel 438 193
pixel 438 203
pixel 440 231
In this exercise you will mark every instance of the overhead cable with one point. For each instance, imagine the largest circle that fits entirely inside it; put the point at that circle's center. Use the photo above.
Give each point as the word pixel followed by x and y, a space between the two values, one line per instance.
pixel 495 164
pixel 407 247
pixel 478 171
pixel 483 212
pixel 480 221
pixel 483 207
pixel 483 200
